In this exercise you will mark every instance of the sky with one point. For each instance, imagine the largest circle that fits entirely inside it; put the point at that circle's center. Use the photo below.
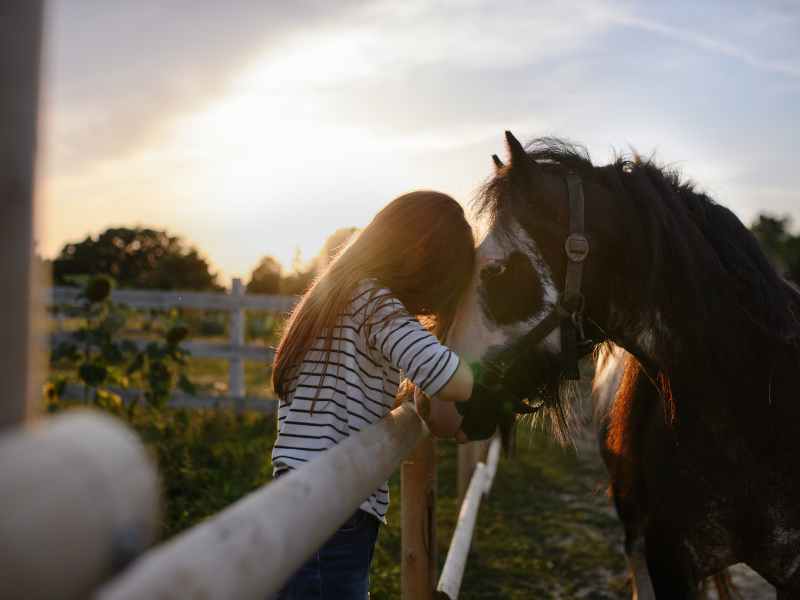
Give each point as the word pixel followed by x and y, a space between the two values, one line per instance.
pixel 254 128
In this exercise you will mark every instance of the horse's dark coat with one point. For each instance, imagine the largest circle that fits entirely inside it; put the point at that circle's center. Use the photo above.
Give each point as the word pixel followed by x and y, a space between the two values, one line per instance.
pixel 704 435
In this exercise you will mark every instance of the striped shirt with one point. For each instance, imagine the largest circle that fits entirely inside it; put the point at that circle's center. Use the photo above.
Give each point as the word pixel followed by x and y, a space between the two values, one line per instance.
pixel 376 344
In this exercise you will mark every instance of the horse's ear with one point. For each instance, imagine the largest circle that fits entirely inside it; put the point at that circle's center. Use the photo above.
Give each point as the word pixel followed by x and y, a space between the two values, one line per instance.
pixel 520 159
pixel 498 164
pixel 518 154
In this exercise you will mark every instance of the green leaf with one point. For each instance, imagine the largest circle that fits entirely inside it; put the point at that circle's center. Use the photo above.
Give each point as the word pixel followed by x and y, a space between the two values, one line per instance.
pixel 112 353
pixel 185 385
pixel 108 400
pixel 92 374
pixel 113 322
pixel 154 351
pixel 98 289
pixel 128 347
pixel 176 334
pixel 64 351
pixel 136 365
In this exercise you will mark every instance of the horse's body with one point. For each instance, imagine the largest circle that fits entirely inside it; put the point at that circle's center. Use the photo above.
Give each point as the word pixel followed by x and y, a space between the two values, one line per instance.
pixel 704 432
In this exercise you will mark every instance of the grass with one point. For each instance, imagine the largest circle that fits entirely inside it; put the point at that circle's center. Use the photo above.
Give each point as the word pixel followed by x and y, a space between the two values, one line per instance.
pixel 546 531
pixel 211 376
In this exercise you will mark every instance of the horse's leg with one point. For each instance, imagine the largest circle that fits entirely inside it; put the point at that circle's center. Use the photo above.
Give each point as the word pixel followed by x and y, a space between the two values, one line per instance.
pixel 637 562
pixel 667 568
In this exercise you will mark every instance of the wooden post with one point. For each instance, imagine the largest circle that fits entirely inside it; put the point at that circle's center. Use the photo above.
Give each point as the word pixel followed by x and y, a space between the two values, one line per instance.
pixel 236 387
pixel 20 43
pixel 80 500
pixel 418 522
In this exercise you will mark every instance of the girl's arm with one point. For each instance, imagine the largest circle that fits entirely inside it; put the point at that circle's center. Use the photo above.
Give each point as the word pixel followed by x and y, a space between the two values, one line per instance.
pixel 435 369
pixel 442 418
pixel 459 387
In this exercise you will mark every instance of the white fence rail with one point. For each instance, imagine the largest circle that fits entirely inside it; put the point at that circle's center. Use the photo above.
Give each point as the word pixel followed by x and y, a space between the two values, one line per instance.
pixel 479 486
pixel 235 351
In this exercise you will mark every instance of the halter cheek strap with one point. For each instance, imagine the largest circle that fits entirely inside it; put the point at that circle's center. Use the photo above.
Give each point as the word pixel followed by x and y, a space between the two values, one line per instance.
pixel 576 248
pixel 568 311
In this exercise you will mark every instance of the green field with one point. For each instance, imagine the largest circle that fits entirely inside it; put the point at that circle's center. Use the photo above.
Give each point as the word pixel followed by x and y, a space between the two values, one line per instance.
pixel 545 532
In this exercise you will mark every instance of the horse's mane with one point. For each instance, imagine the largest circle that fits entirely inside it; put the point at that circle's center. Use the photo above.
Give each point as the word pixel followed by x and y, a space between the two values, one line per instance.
pixel 695 245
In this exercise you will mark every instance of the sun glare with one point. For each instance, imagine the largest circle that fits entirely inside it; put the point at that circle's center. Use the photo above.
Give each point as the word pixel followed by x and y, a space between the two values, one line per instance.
pixel 270 131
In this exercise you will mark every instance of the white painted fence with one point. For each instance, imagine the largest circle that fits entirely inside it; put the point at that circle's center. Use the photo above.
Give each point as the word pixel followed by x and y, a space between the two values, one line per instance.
pixel 480 485
pixel 235 351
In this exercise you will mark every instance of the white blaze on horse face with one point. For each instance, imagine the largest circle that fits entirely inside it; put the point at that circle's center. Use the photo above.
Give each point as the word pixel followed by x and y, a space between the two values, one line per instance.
pixel 473 331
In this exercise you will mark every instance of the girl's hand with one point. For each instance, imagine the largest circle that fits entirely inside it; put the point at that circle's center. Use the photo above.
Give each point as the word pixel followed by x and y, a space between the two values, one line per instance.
pixel 442 418
pixel 423 404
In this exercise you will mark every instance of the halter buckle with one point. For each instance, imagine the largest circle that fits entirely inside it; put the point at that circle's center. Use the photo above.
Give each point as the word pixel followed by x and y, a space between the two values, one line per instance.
pixel 577 247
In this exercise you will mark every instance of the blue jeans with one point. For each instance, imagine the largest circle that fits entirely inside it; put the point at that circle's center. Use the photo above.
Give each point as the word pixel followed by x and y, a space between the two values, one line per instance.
pixel 340 569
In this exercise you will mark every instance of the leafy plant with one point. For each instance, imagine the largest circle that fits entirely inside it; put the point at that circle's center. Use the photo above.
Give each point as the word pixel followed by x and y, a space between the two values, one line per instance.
pixel 97 358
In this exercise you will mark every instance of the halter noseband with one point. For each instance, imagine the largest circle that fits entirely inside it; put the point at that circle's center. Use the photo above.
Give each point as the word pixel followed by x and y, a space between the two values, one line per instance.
pixel 568 311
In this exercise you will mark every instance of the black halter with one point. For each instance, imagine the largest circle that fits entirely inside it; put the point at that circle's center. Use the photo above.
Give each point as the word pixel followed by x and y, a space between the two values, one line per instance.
pixel 568 311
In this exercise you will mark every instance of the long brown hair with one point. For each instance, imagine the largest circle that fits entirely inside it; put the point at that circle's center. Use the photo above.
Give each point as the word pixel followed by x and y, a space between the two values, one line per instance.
pixel 419 246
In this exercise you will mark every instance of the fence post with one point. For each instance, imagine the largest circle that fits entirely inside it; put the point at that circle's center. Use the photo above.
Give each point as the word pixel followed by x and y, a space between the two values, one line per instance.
pixel 20 37
pixel 80 500
pixel 236 324
pixel 418 522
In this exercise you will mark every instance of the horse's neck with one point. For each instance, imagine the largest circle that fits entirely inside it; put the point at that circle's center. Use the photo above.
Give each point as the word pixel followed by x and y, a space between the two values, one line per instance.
pixel 666 329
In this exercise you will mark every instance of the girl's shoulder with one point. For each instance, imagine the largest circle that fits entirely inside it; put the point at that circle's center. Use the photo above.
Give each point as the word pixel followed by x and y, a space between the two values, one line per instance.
pixel 370 297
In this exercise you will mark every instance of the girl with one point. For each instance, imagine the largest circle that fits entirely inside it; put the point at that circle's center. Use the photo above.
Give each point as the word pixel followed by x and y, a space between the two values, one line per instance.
pixel 348 345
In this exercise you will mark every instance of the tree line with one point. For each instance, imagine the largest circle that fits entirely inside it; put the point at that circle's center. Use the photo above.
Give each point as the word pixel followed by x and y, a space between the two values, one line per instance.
pixel 146 258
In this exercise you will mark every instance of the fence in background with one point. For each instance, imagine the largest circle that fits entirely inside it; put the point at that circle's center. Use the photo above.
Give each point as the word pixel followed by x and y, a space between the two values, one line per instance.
pixel 235 351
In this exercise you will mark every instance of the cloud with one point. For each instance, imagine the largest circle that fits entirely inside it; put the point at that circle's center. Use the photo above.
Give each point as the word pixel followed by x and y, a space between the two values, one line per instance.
pixel 244 121
pixel 117 72
pixel 716 45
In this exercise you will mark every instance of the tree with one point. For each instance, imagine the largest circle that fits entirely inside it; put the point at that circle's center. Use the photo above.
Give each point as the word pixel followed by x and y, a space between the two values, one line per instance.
pixel 266 277
pixel 780 245
pixel 300 277
pixel 139 258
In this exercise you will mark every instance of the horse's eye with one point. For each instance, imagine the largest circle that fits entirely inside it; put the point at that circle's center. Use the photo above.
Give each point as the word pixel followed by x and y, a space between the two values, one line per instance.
pixel 493 270
pixel 511 290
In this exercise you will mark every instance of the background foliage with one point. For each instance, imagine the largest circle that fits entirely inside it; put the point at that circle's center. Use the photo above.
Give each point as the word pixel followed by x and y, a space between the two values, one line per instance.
pixel 136 258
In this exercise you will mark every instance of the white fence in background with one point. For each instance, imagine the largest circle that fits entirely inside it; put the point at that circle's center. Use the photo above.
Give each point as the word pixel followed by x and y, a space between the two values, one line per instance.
pixel 235 351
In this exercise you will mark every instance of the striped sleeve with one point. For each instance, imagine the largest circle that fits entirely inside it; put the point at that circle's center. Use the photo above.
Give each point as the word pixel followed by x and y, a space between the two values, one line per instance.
pixel 405 344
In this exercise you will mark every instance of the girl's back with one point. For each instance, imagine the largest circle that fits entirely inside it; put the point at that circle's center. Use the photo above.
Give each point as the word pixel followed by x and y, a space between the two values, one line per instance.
pixel 375 344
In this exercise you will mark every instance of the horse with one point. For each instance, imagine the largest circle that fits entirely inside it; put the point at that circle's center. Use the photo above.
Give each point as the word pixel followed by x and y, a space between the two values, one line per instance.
pixel 705 428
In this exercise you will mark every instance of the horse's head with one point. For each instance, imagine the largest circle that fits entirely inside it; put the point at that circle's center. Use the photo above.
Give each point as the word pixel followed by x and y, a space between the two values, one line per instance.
pixel 530 296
